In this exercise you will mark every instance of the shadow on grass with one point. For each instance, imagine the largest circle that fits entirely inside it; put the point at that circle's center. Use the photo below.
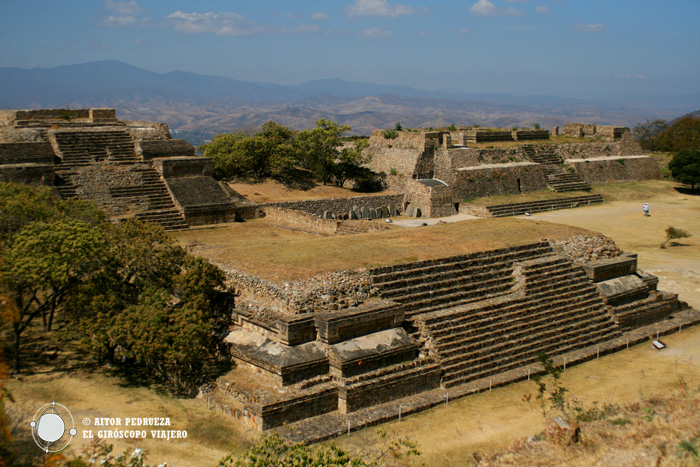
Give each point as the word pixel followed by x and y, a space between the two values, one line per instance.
pixel 132 375
pixel 687 191
pixel 296 179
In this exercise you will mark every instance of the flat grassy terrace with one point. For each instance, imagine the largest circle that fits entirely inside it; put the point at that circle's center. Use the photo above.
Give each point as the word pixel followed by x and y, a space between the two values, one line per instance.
pixel 282 255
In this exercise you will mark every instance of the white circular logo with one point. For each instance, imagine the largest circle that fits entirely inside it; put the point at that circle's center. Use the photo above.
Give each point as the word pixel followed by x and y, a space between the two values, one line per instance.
pixel 49 427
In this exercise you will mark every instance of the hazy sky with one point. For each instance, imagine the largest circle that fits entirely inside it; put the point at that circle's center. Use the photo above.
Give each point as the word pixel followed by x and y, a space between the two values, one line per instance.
pixel 574 48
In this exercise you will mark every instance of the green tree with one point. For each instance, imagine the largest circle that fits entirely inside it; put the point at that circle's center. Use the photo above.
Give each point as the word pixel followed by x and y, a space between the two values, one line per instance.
pixel 672 233
pixel 349 165
pixel 681 135
pixel 646 133
pixel 227 152
pixel 268 151
pixel 318 148
pixel 685 167
pixel 550 391
pixel 44 265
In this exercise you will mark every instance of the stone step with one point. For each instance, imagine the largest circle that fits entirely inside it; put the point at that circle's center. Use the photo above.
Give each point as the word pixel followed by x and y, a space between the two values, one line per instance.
pixel 537 295
pixel 522 354
pixel 466 267
pixel 435 286
pixel 497 330
pixel 398 272
pixel 465 325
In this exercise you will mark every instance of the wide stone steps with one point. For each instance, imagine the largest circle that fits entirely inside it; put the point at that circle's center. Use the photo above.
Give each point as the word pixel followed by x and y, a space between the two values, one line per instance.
pixel 586 337
pixel 490 289
pixel 445 284
pixel 416 277
pixel 514 326
pixel 390 274
pixel 170 219
pixel 449 331
pixel 114 146
pixel 517 209
pixel 537 291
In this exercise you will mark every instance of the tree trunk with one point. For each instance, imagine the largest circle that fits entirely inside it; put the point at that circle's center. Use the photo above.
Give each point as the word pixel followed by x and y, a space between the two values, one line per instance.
pixel 53 309
pixel 15 357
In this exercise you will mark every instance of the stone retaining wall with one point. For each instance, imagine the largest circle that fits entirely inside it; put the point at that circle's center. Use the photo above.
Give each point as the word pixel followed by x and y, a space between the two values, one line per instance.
pixel 616 169
pixel 498 179
pixel 25 153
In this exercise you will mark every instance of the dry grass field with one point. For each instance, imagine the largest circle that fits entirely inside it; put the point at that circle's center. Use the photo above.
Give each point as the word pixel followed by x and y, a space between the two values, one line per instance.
pixel 279 254
pixel 271 191
pixel 450 434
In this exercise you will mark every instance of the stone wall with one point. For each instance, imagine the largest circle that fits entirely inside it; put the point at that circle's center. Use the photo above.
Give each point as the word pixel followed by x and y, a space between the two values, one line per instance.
pixel 338 290
pixel 339 206
pixel 24 153
pixel 616 169
pixel 150 149
pixel 22 135
pixel 300 220
pixel 312 223
pixel 31 174
pixel 498 179
pixel 43 117
pixel 148 131
pixel 588 130
pixel 173 167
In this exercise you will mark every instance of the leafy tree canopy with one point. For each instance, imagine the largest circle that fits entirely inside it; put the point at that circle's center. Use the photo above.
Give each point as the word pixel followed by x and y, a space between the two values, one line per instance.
pixel 685 167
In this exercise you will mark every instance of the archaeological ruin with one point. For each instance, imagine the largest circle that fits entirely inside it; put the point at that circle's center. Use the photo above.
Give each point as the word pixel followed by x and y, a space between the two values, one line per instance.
pixel 326 353
pixel 130 169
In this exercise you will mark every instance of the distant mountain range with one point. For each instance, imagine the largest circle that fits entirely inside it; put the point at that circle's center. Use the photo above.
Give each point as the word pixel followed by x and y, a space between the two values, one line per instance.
pixel 199 104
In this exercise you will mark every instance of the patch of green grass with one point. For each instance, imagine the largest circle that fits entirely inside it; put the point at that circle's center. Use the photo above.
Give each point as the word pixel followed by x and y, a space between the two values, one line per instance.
pixel 621 421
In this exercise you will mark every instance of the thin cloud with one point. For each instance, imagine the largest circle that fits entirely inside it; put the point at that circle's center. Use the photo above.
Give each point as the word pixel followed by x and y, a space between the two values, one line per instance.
pixel 379 8
pixel 375 33
pixel 486 8
pixel 517 1
pixel 119 21
pixel 596 27
pixel 222 24
pixel 464 32
pixel 130 8
pixel 422 33
pixel 542 10
pixel 320 16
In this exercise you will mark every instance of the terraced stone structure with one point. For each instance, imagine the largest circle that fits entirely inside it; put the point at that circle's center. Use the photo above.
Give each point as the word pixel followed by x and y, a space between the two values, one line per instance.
pixel 322 356
pixel 437 171
pixel 131 169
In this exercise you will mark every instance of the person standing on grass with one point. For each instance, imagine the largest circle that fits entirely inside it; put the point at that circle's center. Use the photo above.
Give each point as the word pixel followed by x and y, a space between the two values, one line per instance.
pixel 646 209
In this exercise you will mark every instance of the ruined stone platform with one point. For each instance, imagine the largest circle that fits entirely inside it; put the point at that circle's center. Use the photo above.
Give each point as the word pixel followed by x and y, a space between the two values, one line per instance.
pixel 327 426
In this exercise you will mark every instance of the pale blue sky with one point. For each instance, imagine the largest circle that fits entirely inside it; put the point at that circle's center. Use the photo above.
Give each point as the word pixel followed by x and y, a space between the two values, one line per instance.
pixel 572 48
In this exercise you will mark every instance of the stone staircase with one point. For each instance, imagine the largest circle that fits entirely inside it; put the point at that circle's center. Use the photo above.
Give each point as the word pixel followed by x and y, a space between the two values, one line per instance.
pixel 554 310
pixel 428 286
pixel 517 209
pixel 162 210
pixel 80 148
pixel 560 177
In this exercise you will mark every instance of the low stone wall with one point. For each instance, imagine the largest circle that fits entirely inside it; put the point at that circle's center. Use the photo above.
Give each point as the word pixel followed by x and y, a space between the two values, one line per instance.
pixel 616 169
pixel 57 116
pixel 498 179
pixel 603 270
pixel 21 135
pixel 523 135
pixel 148 131
pixel 339 206
pixel 152 149
pixel 300 220
pixel 333 291
pixel 173 167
